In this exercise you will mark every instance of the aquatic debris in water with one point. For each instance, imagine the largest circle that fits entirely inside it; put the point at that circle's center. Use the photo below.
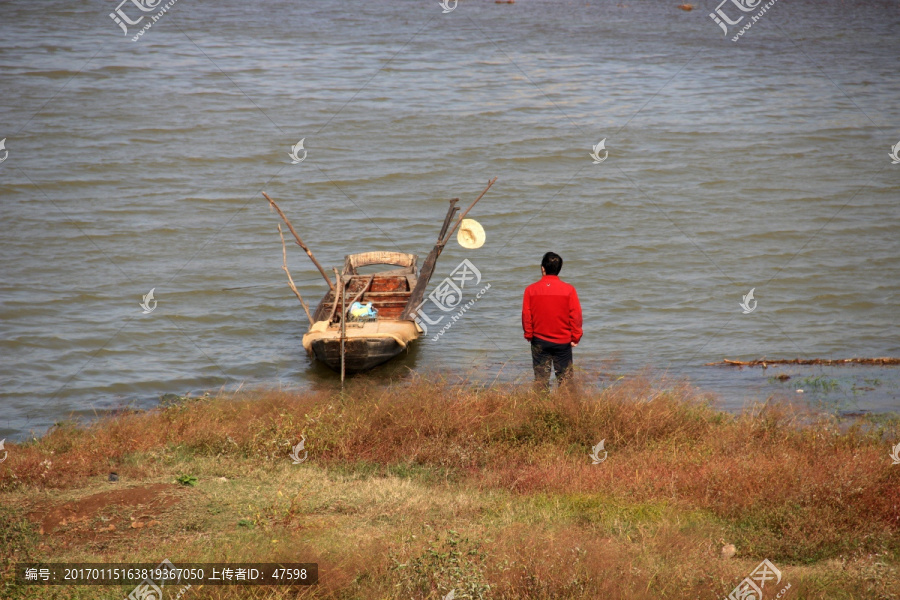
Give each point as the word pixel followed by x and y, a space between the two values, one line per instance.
pixel 763 362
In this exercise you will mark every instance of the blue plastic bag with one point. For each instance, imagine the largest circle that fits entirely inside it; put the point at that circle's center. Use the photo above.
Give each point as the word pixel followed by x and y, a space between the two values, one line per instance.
pixel 363 311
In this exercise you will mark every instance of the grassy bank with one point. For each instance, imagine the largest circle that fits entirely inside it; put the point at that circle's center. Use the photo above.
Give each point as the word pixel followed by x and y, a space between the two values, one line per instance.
pixel 415 490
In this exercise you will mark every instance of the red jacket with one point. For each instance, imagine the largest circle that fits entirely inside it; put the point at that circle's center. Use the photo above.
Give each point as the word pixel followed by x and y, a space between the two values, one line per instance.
pixel 551 311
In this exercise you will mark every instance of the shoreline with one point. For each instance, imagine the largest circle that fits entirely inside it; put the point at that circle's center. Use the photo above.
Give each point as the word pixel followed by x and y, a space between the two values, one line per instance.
pixel 846 391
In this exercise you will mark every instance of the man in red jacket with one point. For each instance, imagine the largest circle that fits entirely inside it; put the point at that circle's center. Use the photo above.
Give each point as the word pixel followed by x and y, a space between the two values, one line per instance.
pixel 551 318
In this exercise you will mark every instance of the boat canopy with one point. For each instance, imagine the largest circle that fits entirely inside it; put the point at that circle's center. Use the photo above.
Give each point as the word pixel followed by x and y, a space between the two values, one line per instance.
pixel 406 262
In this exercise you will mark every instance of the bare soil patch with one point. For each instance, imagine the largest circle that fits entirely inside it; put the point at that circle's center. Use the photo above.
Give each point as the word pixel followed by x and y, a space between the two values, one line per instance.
pixel 78 516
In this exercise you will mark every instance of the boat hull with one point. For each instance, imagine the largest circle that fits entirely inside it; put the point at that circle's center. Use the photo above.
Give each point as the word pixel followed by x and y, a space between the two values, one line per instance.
pixel 360 354
pixel 366 345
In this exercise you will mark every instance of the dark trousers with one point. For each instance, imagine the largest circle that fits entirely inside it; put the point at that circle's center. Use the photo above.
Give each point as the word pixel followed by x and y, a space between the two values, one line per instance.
pixel 544 354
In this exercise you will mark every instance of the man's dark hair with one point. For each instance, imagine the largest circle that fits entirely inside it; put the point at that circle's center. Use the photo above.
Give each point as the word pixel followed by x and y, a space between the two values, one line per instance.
pixel 552 263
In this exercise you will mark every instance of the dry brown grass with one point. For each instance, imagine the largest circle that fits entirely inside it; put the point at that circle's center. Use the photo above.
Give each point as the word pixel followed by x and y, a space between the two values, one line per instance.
pixel 510 469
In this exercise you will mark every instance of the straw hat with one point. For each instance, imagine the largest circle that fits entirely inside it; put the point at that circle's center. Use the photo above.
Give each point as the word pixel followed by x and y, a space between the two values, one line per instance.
pixel 471 234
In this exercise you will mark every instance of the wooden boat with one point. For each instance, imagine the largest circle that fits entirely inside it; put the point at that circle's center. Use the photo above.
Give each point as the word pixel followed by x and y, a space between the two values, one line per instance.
pixel 349 345
pixel 366 344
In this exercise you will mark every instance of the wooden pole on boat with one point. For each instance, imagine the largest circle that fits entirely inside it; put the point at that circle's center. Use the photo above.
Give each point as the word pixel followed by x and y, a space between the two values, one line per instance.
pixel 291 279
pixel 343 325
pixel 338 283
pixel 415 298
pixel 362 291
pixel 463 215
pixel 448 218
pixel 299 241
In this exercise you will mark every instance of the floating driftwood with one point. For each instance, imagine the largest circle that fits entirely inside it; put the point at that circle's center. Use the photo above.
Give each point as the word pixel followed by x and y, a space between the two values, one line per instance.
pixel 828 362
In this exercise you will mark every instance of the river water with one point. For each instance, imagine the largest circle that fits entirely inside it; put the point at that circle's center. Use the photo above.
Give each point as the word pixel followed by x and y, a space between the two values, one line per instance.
pixel 136 165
